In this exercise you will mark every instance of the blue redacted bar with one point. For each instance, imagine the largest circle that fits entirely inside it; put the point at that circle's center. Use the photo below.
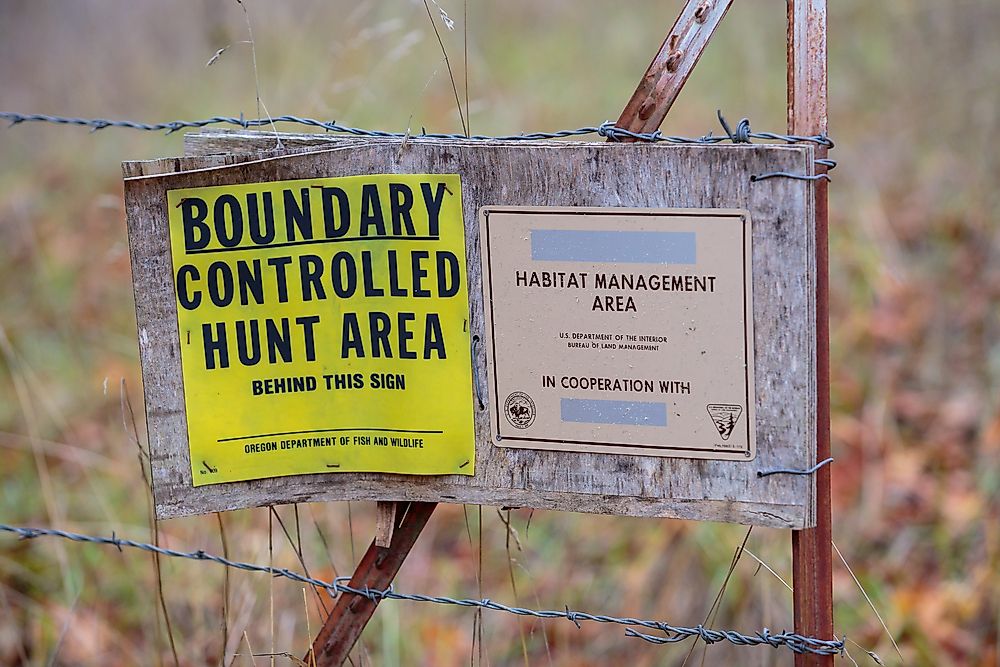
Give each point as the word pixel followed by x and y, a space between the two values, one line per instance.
pixel 633 413
pixel 571 245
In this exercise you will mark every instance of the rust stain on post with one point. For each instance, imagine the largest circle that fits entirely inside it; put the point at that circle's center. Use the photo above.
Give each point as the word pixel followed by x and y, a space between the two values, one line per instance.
pixel 672 65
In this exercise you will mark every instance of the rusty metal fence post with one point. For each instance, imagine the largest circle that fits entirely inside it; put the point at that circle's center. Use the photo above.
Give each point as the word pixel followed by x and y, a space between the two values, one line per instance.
pixel 812 549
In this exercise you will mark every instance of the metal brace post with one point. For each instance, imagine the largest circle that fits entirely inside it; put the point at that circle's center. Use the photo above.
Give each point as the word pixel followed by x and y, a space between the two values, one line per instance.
pixel 377 569
pixel 672 65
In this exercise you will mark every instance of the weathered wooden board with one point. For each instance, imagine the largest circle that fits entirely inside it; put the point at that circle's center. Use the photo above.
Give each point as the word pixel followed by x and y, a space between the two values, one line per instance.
pixel 520 174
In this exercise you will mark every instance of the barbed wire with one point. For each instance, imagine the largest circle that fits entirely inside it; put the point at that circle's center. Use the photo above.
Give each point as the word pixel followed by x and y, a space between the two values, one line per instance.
pixel 671 633
pixel 607 130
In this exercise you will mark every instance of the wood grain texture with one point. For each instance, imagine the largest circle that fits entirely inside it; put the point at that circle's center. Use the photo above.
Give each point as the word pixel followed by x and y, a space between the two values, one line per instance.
pixel 385 522
pixel 520 173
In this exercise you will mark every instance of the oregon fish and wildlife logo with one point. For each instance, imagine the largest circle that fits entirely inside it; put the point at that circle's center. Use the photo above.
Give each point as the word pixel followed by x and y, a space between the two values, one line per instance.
pixel 519 410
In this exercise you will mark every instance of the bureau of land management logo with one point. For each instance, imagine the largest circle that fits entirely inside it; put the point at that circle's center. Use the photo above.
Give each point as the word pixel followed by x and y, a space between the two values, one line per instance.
pixel 519 410
pixel 725 416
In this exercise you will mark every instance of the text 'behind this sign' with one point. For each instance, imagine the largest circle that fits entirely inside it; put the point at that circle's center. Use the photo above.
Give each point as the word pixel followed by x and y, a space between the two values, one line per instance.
pixel 624 331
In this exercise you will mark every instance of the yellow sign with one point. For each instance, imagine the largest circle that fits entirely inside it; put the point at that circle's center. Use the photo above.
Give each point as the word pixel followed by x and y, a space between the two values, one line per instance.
pixel 324 326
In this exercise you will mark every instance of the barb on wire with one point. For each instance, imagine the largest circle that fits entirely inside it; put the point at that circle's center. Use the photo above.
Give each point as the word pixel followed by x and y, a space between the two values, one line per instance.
pixel 607 130
pixel 671 633
pixel 742 135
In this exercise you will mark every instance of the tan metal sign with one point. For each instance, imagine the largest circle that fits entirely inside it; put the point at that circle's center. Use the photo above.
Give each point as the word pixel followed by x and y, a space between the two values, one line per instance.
pixel 622 331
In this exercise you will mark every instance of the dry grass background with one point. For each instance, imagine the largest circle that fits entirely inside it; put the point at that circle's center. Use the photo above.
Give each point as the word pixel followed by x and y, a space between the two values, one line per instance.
pixel 916 360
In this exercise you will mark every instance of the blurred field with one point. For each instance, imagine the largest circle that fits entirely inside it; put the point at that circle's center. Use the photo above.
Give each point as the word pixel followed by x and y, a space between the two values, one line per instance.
pixel 915 218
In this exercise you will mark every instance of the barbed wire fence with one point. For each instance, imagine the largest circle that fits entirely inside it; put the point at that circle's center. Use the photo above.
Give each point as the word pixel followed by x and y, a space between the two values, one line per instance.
pixel 607 129
pixel 742 134
pixel 671 634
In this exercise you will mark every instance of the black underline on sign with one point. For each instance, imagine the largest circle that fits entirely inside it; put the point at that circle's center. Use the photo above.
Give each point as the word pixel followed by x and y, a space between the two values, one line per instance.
pixel 329 430
pixel 313 242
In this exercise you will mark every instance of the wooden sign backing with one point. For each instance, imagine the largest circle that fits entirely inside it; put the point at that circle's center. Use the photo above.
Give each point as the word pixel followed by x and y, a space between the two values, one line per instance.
pixel 557 174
